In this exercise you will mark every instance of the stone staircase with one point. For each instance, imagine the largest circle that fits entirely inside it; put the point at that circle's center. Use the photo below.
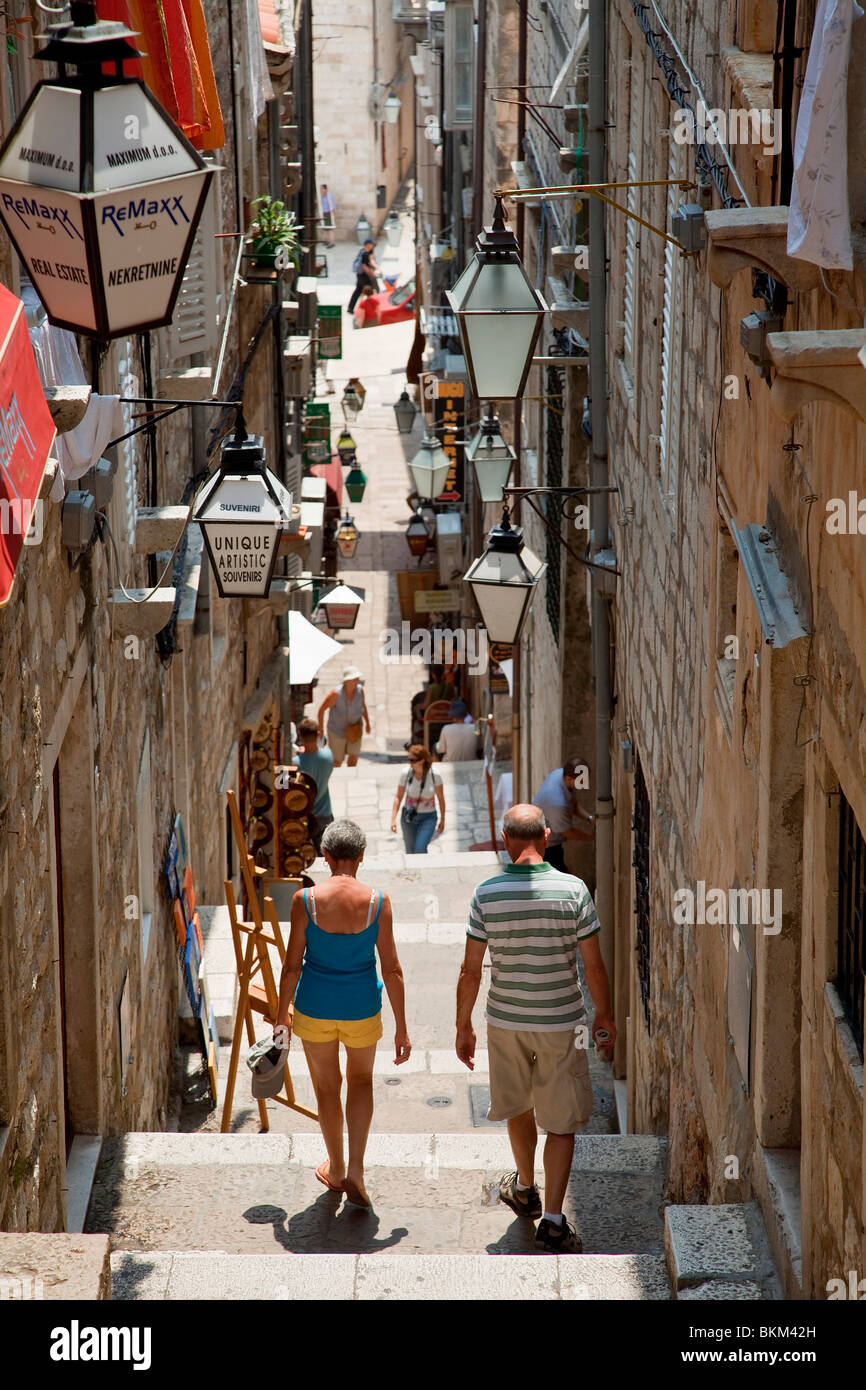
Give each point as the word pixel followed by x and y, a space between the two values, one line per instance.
pixel 197 1214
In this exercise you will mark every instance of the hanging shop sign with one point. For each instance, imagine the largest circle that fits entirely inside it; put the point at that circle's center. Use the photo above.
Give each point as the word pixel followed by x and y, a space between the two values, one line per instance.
pixel 243 510
pixel 438 600
pixel 330 320
pixel 26 436
pixel 449 415
pixel 101 196
pixel 317 433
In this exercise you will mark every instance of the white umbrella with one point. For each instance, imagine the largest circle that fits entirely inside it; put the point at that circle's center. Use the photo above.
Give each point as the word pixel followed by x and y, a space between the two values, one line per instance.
pixel 309 648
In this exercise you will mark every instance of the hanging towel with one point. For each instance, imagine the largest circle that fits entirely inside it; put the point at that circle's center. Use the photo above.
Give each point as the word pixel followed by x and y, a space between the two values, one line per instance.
pixel 819 222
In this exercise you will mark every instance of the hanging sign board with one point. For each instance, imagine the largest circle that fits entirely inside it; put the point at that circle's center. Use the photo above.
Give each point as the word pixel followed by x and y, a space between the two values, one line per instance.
pixel 330 320
pixel 317 433
pixel 26 436
pixel 101 195
pixel 437 600
pixel 449 412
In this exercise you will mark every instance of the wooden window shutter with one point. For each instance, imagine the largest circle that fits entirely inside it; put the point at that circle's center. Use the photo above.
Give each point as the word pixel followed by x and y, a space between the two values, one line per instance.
pixel 196 321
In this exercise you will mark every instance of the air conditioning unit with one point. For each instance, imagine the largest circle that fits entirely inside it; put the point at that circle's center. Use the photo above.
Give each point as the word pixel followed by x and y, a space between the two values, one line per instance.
pixel 753 334
pixel 296 366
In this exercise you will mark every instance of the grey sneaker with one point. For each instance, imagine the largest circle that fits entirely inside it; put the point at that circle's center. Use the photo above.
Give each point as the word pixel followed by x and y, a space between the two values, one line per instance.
pixel 523 1203
pixel 559 1240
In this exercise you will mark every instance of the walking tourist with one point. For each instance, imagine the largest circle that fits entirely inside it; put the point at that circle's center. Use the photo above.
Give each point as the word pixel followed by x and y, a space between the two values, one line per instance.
pixel 366 270
pixel 534 919
pixel 422 787
pixel 330 973
pixel 318 763
pixel 458 742
pixel 329 208
pixel 346 707
pixel 557 799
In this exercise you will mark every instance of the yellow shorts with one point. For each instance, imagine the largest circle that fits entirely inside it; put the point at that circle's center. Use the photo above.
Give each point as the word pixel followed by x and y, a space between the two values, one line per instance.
pixel 354 1032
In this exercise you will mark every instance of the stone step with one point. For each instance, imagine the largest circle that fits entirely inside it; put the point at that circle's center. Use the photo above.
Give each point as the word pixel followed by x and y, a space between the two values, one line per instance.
pixel 433 1193
pixel 720 1252
pixel 176 1275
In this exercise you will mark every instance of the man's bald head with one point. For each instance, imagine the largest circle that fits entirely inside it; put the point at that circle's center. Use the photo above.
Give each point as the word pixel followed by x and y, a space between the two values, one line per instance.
pixel 525 822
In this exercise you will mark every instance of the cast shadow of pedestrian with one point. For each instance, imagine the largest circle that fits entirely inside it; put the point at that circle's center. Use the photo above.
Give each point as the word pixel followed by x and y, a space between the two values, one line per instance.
pixel 326 1227
pixel 518 1239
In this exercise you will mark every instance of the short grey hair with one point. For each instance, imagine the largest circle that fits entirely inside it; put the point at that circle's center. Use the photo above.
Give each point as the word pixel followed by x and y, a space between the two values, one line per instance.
pixel 343 839
pixel 524 827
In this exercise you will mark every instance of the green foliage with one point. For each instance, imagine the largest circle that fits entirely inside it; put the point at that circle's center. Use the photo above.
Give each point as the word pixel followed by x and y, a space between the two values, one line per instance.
pixel 275 229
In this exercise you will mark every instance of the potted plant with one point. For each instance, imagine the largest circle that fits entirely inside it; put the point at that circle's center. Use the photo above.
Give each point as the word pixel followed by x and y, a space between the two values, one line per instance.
pixel 275 234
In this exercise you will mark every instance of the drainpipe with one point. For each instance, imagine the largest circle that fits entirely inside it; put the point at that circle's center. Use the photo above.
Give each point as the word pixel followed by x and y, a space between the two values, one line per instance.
pixel 479 191
pixel 598 477
pixel 516 695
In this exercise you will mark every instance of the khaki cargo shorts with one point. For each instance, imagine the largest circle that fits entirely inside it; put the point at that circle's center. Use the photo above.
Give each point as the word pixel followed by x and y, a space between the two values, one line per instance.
pixel 340 747
pixel 540 1071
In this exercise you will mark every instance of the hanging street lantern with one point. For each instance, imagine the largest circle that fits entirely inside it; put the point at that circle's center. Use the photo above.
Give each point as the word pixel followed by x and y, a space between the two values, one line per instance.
pixel 392 108
pixel 405 410
pixel 356 484
pixel 346 447
pixel 341 607
pixel 362 229
pixel 498 312
pixel 393 229
pixel 417 535
pixel 352 402
pixel 503 581
pixel 347 537
pixel 429 468
pixel 491 457
pixel 100 193
pixel 242 511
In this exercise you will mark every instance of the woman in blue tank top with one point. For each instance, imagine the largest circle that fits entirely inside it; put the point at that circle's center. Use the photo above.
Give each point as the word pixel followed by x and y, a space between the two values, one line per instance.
pixel 330 973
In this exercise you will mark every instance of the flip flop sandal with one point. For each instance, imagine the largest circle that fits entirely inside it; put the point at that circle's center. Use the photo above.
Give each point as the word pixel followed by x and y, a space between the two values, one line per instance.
pixel 322 1175
pixel 353 1195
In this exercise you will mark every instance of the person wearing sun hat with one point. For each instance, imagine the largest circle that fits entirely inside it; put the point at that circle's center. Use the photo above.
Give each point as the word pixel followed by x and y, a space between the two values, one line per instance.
pixel 346 707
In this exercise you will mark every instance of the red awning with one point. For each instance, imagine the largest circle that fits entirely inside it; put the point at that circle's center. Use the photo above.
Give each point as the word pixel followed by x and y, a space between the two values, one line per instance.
pixel 177 64
pixel 333 475
pixel 26 436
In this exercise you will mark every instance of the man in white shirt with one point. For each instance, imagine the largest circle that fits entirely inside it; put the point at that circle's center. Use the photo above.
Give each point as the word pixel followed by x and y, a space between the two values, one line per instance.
pixel 458 742
pixel 556 797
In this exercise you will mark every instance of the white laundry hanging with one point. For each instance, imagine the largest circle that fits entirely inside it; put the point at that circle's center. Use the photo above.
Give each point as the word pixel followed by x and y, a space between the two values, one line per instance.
pixel 819 222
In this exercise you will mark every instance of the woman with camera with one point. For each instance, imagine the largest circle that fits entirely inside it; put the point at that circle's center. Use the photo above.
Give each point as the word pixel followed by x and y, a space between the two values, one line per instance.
pixel 422 788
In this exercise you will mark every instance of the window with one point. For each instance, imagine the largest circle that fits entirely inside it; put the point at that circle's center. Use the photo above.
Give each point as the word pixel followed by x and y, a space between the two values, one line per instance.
pixel 144 824
pixel 458 65
pixel 641 861
pixel 672 343
pixel 851 942
pixel 198 309
pixel 553 505
pixel 632 228
pixel 727 646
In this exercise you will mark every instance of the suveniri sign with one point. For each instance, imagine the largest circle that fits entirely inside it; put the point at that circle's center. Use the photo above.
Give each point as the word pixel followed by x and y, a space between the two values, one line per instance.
pixel 101 195
pixel 243 510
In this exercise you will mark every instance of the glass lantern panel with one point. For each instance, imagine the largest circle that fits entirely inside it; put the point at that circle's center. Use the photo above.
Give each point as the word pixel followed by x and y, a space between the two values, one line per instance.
pixel 503 608
pixel 498 346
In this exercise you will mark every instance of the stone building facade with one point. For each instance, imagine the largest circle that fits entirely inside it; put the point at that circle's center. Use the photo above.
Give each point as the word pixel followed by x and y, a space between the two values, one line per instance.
pixel 105 735
pixel 361 54
pixel 744 1038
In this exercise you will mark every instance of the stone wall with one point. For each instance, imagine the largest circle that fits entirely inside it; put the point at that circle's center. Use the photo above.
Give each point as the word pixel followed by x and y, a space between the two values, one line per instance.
pixel 74 694
pixel 355 45
pixel 741 776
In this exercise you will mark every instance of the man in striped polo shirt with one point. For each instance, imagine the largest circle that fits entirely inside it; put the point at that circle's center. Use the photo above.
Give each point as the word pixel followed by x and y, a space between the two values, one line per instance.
pixel 534 919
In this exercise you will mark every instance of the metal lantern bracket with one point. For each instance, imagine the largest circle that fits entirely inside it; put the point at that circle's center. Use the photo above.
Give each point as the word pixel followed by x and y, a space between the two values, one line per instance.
pixel 565 492
pixel 594 189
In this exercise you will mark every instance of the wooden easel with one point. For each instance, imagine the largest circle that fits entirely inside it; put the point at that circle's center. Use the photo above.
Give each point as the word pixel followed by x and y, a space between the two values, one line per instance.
pixel 258 989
